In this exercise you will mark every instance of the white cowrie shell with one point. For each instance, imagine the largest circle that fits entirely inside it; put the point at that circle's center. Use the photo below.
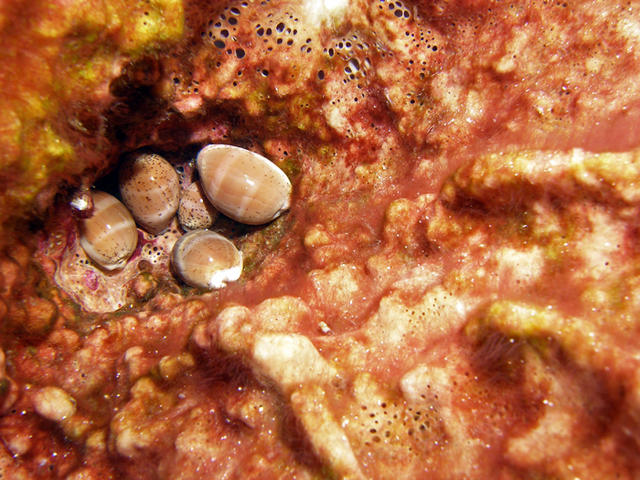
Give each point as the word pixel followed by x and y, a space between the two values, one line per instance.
pixel 242 184
pixel 150 189
pixel 109 236
pixel 206 259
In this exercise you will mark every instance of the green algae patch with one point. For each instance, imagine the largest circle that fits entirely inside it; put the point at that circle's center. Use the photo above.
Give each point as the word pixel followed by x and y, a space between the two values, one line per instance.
pixel 258 244
pixel 446 230
pixel 519 319
pixel 618 172
pixel 617 299
pixel 499 181
pixel 85 63
pixel 54 21
pixel 136 26
pixel 34 152
pixel 291 166
pixel 540 327
pixel 520 322
pixel 511 178
pixel 145 24
pixel 58 58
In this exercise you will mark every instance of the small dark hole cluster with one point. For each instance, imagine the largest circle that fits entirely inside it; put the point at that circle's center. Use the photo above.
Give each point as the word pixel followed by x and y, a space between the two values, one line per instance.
pixel 391 423
pixel 396 7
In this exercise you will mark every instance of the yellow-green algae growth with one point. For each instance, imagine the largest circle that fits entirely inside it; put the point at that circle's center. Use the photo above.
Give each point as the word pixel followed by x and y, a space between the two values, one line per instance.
pixel 58 54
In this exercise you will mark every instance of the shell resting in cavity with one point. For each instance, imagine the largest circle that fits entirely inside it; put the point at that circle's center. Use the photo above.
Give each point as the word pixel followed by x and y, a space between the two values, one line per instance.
pixel 109 236
pixel 150 188
pixel 242 184
pixel 206 259
pixel 195 211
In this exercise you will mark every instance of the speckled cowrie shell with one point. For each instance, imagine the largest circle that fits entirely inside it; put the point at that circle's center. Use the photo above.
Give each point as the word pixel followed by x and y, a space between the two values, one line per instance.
pixel 150 188
pixel 195 211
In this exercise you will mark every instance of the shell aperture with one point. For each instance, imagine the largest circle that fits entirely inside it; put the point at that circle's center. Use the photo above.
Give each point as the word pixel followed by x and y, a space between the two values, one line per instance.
pixel 206 259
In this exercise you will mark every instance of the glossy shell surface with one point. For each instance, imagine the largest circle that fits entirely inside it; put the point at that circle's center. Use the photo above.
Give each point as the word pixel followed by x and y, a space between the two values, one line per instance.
pixel 242 184
pixel 150 189
pixel 195 210
pixel 206 259
pixel 109 236
pixel 82 204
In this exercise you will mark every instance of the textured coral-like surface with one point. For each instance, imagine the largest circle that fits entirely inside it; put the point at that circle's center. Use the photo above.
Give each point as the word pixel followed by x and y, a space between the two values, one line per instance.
pixel 453 294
